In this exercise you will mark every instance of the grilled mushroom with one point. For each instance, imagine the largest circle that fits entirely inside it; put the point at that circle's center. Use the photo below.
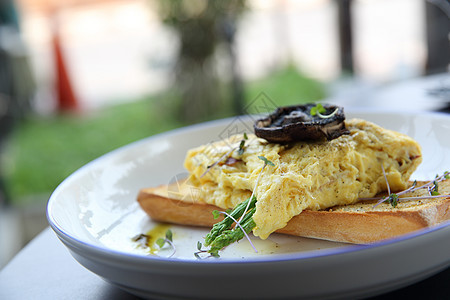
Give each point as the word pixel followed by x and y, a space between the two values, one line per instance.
pixel 296 123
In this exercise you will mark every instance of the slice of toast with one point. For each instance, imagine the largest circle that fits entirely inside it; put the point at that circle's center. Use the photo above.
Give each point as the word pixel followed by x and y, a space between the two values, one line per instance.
pixel 358 223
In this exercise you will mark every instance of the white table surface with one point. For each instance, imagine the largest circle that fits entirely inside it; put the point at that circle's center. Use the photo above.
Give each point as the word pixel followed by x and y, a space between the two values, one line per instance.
pixel 44 269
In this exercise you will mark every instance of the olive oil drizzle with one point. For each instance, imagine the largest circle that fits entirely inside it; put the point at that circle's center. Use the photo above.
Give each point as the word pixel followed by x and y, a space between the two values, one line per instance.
pixel 151 237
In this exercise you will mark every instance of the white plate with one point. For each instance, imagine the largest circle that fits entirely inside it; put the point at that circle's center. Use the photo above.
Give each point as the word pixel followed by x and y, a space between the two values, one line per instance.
pixel 95 214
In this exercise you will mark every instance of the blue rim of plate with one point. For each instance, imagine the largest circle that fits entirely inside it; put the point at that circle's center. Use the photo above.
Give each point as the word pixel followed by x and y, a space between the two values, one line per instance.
pixel 351 248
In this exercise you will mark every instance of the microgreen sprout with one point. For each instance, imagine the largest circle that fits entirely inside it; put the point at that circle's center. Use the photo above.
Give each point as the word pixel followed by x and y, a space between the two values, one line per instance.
pixel 393 200
pixel 433 189
pixel 208 168
pixel 385 179
pixel 242 144
pixel 266 162
pixel 203 251
pixel 240 148
pixel 411 188
pixel 168 239
pixel 216 214
pixel 319 110
pixel 431 186
pixel 328 116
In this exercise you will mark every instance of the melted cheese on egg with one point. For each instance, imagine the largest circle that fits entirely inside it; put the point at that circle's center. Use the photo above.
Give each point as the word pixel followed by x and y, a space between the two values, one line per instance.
pixel 306 175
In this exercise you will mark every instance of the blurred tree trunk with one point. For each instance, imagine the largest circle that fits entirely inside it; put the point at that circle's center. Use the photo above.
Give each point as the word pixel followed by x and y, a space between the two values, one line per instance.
pixel 438 43
pixel 199 25
pixel 229 32
pixel 6 118
pixel 195 74
pixel 345 35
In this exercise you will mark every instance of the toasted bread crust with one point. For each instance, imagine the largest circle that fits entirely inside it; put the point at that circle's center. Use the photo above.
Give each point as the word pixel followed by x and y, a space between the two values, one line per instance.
pixel 358 223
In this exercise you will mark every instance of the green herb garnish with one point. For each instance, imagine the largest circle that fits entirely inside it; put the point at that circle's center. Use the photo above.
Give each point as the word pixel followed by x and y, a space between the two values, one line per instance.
pixel 216 214
pixel 242 144
pixel 201 251
pixel 431 186
pixel 434 189
pixel 161 242
pixel 266 161
pixel 240 151
pixel 318 109
pixel 393 200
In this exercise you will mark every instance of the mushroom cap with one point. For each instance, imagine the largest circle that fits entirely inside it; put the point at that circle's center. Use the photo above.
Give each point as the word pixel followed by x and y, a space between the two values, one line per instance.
pixel 295 123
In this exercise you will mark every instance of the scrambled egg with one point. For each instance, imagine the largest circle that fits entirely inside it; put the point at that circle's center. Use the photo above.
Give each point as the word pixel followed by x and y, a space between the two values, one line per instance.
pixel 306 175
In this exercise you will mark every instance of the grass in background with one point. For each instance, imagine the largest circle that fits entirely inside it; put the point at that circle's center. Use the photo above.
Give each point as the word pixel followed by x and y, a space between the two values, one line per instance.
pixel 44 150
pixel 286 87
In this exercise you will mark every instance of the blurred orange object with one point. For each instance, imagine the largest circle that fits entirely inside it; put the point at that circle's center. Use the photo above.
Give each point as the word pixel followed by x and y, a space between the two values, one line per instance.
pixel 65 96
